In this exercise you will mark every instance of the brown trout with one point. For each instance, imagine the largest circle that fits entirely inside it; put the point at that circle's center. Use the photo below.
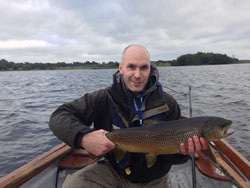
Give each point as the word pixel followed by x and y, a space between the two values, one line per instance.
pixel 164 137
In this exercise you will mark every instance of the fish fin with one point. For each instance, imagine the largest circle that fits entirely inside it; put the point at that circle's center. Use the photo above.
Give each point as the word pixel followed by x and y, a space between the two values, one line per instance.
pixel 150 121
pixel 150 159
pixel 119 153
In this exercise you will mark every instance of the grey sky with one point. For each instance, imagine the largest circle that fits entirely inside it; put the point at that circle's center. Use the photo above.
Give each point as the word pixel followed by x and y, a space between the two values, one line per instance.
pixel 98 30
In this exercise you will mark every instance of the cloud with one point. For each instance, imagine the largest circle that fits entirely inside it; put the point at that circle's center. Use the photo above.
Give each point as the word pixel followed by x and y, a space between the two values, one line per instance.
pixel 23 44
pixel 60 30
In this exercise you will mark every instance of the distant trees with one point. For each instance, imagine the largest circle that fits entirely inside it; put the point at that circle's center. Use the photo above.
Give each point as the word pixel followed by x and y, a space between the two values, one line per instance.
pixel 204 59
pixel 184 60
pixel 5 65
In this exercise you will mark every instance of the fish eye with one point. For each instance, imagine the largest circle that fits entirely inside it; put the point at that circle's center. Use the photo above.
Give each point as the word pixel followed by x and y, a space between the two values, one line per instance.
pixel 224 125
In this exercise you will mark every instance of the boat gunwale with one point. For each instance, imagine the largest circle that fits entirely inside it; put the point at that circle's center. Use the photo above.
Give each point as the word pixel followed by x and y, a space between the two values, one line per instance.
pixel 237 158
pixel 23 174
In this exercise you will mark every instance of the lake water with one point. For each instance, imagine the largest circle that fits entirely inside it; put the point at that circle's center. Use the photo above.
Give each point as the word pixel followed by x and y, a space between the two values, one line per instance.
pixel 27 99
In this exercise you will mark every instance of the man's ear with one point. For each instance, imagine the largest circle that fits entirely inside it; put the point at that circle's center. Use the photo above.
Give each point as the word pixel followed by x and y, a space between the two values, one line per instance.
pixel 120 67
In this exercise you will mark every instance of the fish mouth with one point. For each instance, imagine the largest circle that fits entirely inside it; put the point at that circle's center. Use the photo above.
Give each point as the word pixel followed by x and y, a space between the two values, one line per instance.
pixel 227 131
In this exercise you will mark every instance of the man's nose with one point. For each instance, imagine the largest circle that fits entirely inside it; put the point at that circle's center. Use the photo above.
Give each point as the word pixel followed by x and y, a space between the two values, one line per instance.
pixel 137 73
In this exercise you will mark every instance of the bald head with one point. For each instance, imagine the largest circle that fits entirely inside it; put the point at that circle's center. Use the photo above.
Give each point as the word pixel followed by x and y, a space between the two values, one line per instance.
pixel 135 67
pixel 135 49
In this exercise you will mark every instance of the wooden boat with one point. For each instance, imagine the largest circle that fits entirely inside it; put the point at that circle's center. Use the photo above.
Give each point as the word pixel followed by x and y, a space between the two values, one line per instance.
pixel 50 169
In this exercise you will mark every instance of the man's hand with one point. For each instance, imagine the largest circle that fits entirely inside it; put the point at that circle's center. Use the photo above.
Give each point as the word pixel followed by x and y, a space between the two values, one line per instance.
pixel 97 143
pixel 195 145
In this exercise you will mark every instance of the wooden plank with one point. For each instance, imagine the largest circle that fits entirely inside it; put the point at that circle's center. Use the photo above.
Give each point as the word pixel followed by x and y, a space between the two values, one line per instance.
pixel 78 159
pixel 31 169
pixel 75 162
pixel 240 181
pixel 240 161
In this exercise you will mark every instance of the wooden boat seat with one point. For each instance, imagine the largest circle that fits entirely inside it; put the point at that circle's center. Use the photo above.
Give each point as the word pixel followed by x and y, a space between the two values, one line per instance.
pixel 77 159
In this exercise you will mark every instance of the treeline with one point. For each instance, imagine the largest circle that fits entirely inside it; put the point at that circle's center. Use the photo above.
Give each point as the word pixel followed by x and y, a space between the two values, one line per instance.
pixel 7 66
pixel 184 60
pixel 204 59
pixel 199 59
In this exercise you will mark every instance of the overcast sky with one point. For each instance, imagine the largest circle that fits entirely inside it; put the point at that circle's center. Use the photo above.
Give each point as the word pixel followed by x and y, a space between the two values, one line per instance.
pixel 98 30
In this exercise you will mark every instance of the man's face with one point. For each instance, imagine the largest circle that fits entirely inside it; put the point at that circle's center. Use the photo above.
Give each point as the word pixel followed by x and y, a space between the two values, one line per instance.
pixel 135 68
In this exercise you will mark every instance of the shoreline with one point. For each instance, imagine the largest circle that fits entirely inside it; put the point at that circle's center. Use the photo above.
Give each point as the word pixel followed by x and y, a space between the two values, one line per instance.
pixel 111 67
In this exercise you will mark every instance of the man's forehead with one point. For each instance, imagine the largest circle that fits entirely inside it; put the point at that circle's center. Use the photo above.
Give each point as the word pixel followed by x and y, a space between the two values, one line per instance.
pixel 135 58
pixel 138 63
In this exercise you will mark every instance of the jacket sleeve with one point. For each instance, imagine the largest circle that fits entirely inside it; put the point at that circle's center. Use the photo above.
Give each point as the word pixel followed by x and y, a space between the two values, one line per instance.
pixel 72 120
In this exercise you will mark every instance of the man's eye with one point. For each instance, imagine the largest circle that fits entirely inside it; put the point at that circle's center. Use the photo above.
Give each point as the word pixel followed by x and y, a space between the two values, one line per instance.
pixel 131 67
pixel 144 67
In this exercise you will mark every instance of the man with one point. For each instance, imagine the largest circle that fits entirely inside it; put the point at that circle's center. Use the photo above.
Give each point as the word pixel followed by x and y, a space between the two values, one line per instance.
pixel 134 96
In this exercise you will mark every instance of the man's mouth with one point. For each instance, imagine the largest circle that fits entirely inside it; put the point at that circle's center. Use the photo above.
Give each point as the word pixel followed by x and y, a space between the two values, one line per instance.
pixel 137 83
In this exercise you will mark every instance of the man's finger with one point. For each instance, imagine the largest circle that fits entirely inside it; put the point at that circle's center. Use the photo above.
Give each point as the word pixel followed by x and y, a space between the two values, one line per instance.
pixel 183 149
pixel 204 143
pixel 197 144
pixel 190 146
pixel 110 145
